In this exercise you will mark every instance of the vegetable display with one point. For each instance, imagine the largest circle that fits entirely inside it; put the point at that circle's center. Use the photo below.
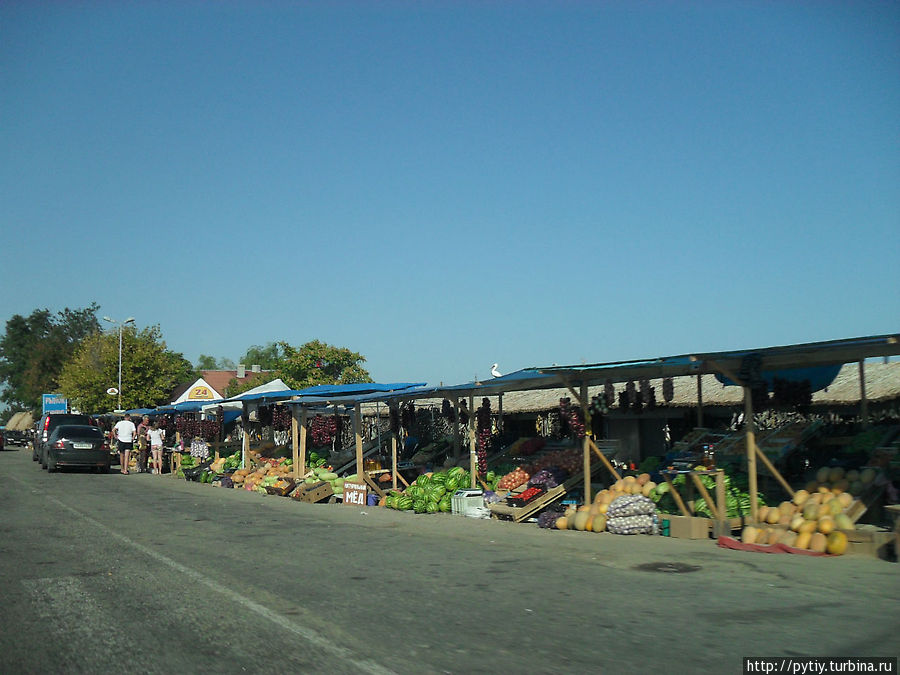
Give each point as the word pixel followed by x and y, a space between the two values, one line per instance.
pixel 430 492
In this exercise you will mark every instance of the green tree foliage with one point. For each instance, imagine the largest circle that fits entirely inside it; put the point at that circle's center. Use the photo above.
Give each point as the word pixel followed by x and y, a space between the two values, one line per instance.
pixel 206 362
pixel 34 349
pixel 320 363
pixel 149 370
pixel 269 357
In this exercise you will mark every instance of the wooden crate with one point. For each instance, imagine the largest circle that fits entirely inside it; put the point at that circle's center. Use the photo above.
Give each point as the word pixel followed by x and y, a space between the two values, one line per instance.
pixel 314 493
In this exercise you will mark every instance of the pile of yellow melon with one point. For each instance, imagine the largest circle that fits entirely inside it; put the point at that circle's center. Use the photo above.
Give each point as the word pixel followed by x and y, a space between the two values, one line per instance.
pixel 836 479
pixel 629 485
pixel 584 518
pixel 816 521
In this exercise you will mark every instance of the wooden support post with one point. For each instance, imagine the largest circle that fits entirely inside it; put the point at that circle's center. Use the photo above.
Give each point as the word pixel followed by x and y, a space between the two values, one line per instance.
pixel 722 528
pixel 456 448
pixel 295 441
pixel 500 412
pixel 751 454
pixel 394 460
pixel 605 461
pixel 372 484
pixel 301 458
pixel 586 444
pixel 701 488
pixel 357 434
pixel 775 472
pixel 473 459
pixel 863 401
pixel 677 497
pixel 699 400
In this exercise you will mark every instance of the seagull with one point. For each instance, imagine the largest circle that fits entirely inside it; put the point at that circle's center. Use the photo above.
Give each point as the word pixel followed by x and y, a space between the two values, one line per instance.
pixel 495 372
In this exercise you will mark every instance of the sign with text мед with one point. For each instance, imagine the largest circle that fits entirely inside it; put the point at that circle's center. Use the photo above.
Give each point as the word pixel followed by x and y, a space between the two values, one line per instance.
pixel 355 493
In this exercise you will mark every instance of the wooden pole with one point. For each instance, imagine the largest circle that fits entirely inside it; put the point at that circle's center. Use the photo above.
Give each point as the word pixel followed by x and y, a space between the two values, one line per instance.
pixel 295 440
pixel 456 448
pixel 863 401
pixel 701 488
pixel 245 416
pixel 586 444
pixel 679 502
pixel 394 460
pixel 723 528
pixel 473 458
pixel 751 453
pixel 301 458
pixel 605 461
pixel 357 434
pixel 500 412
pixel 775 472
pixel 699 400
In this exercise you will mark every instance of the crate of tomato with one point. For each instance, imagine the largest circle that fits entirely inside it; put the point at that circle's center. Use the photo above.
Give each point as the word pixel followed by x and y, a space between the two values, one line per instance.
pixel 526 496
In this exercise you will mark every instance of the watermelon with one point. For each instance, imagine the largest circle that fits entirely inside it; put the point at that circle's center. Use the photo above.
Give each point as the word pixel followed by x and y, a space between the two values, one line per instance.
pixel 419 506
pixel 404 503
pixel 439 478
pixel 432 507
pixel 446 505
pixel 456 471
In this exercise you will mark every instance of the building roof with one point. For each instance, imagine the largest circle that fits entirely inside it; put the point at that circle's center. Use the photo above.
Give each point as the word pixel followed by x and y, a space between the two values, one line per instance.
pixel 219 379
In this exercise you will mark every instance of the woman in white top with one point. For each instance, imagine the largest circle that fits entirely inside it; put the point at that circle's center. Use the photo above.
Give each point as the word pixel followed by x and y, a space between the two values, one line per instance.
pixel 156 435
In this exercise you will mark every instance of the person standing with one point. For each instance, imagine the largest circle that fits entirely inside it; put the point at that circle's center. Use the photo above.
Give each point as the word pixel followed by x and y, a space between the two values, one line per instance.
pixel 124 432
pixel 155 436
pixel 143 448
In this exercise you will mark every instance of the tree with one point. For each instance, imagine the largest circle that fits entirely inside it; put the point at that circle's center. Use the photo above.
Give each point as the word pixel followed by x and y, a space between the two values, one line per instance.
pixel 34 348
pixel 206 362
pixel 320 363
pixel 149 370
pixel 269 357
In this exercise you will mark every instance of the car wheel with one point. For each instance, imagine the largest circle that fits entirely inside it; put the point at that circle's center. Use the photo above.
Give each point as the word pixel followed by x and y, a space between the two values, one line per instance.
pixel 44 459
pixel 104 469
pixel 51 464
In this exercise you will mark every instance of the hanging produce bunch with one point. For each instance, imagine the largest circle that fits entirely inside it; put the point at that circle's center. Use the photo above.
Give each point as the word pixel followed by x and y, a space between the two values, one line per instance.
pixel 483 440
pixel 793 395
pixel 264 415
pixel 564 416
pixel 668 389
pixel 571 419
pixel 394 414
pixel 609 393
pixel 408 417
pixel 323 429
pixel 463 412
pixel 648 394
pixel 281 418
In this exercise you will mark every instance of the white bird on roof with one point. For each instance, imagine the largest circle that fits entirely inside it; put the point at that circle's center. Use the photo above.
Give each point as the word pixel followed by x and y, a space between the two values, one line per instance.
pixel 495 372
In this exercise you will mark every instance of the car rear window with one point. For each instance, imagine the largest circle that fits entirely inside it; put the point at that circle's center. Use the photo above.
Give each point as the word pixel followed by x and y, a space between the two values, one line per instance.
pixel 64 418
pixel 81 431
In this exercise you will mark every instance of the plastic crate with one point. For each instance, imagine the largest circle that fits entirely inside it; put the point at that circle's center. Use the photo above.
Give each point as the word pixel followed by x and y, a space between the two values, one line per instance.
pixel 465 500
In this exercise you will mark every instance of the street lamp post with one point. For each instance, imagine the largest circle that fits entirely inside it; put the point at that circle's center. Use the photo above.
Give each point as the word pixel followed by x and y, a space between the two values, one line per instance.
pixel 121 325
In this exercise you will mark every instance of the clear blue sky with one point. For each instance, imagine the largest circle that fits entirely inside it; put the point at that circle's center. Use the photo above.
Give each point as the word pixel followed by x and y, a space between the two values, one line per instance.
pixel 443 185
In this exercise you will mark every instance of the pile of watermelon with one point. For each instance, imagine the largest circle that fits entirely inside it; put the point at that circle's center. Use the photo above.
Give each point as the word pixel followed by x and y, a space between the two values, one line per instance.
pixel 430 493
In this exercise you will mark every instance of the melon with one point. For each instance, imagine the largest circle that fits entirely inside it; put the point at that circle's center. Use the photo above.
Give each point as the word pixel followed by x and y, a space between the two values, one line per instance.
pixel 808 526
pixel 562 523
pixel 845 499
pixel 788 538
pixel 842 522
pixel 811 511
pixel 636 488
pixel 800 496
pixel 762 536
pixel 822 474
pixel 761 513
pixel 785 521
pixel 866 476
pixel 856 488
pixel 602 508
pixel 835 506
pixel 773 516
pixel 803 540
pixel 786 508
pixel 774 535
pixel 584 507
pixel 824 490
pixel 570 520
pixel 824 510
pixel 644 478
pixel 581 520
pixel 852 475
pixel 841 486
pixel 629 479
pixel 826 525
pixel 570 511
pixel 796 522
pixel 827 497
pixel 749 534
pixel 818 542
pixel 648 487
pixel 812 486
pixel 599 496
pixel 618 486
pixel 599 523
pixel 814 498
pixel 836 543
pixel 835 474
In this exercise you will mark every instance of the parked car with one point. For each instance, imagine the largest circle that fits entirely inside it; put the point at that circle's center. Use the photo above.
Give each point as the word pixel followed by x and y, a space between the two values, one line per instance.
pixel 46 426
pixel 77 445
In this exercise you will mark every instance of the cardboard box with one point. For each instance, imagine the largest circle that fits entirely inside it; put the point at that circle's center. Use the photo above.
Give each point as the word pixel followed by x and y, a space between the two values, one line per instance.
pixel 683 527
pixel 314 493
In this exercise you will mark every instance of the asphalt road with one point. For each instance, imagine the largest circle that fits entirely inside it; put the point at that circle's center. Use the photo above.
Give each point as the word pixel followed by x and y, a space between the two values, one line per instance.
pixel 148 574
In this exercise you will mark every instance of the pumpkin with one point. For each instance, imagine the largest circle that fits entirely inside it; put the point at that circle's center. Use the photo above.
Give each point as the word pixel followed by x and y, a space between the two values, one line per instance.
pixel 599 523
pixel 836 543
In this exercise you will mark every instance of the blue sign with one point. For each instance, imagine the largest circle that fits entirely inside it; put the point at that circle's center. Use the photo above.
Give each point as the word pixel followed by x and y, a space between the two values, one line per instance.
pixel 55 403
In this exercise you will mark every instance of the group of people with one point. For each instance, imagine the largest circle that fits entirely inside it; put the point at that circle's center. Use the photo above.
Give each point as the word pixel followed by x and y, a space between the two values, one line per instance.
pixel 148 434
